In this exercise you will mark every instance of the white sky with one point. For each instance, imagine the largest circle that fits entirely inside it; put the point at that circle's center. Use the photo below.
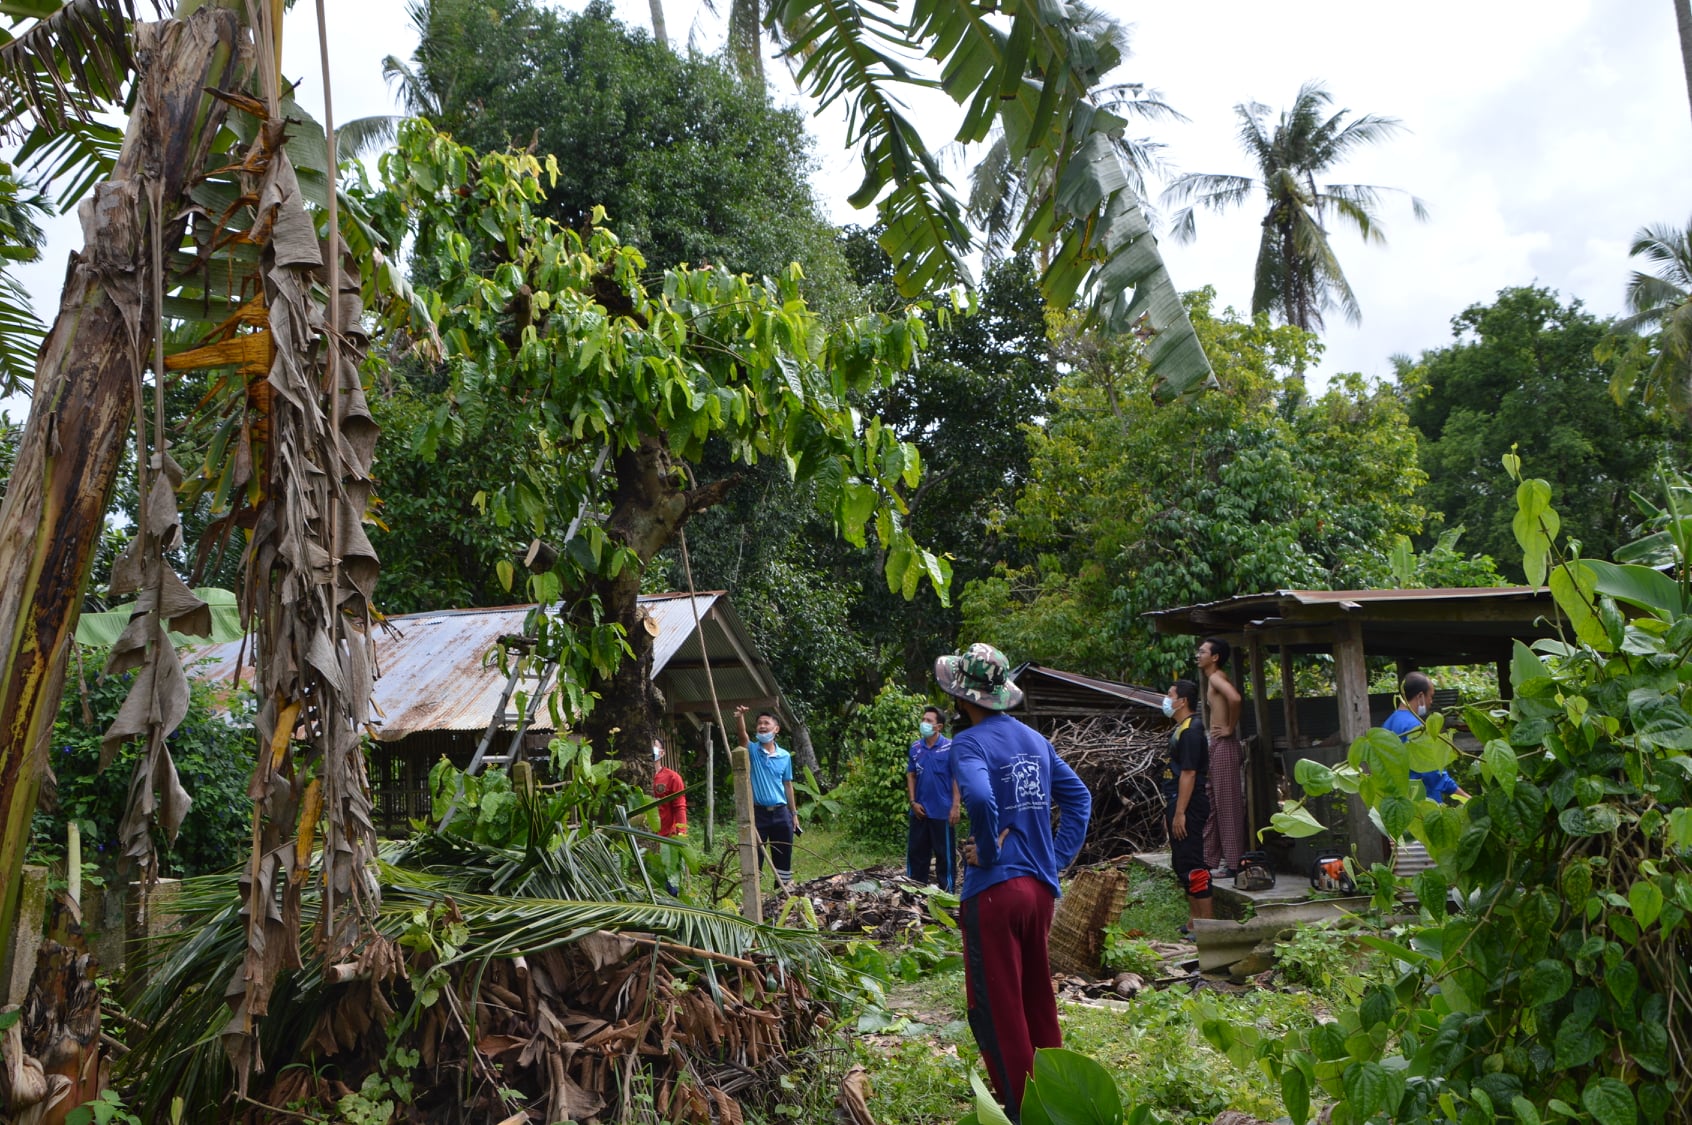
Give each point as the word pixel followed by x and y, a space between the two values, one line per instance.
pixel 1541 134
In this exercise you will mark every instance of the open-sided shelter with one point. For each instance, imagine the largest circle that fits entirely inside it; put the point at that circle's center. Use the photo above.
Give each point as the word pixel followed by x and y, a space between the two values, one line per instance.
pixel 439 684
pixel 1414 628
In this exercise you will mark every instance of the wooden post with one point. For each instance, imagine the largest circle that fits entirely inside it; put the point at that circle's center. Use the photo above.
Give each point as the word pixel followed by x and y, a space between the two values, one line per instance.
pixel 1351 681
pixel 1289 698
pixel 710 791
pixel 1260 774
pixel 752 902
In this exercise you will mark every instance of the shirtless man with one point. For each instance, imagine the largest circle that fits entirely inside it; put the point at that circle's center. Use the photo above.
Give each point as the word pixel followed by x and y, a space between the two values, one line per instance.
pixel 1224 833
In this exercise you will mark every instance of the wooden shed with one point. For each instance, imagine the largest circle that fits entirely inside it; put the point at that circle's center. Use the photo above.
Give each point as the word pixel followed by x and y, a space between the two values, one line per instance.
pixel 1413 628
pixel 439 685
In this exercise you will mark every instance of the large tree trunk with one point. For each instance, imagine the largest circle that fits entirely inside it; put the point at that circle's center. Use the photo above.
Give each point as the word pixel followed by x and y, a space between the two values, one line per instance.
pixel 1683 19
pixel 55 505
pixel 648 508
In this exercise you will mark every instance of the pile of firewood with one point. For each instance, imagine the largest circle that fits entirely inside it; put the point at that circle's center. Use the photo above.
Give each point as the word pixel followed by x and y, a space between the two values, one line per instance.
pixel 578 1032
pixel 880 903
pixel 1120 758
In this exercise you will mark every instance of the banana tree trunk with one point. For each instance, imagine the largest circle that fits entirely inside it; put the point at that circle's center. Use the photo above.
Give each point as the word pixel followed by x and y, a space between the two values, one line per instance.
pixel 83 406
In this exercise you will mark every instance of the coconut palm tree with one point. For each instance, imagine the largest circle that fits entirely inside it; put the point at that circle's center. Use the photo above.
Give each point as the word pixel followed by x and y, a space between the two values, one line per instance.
pixel 1298 274
pixel 1661 303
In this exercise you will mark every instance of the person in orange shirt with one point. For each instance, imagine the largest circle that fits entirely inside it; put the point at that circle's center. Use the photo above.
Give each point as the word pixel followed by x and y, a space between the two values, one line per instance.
pixel 668 787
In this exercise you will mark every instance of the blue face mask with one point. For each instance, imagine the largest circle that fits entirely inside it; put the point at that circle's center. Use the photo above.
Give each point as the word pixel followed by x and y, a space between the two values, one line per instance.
pixel 927 729
pixel 1168 707
pixel 766 737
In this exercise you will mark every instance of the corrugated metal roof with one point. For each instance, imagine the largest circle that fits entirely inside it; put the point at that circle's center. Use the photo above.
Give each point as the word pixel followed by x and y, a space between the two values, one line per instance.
pixel 1441 626
pixel 437 670
pixel 1133 693
pixel 1343 598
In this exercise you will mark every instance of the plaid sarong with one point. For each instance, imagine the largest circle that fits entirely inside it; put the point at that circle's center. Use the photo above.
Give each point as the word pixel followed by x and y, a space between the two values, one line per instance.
pixel 1225 832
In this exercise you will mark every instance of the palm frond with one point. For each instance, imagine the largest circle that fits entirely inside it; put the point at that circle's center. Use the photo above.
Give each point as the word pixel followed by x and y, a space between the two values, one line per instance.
pixel 1038 80
pixel 854 52
pixel 1650 297
pixel 71 157
pixel 69 64
pixel 21 333
pixel 1210 190
pixel 365 136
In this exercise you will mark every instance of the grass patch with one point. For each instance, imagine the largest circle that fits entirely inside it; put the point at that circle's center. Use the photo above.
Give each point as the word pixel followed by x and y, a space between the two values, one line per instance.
pixel 1155 1052
pixel 1156 907
pixel 919 1064
pixel 828 849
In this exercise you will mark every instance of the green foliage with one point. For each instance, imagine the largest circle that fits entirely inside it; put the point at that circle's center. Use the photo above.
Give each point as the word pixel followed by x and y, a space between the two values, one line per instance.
pixel 1654 345
pixel 1035 71
pixel 1125 954
pixel 874 804
pixel 1132 507
pixel 1066 1087
pixel 597 364
pixel 1561 982
pixel 1156 907
pixel 213 752
pixel 818 606
pixel 107 1109
pixel 692 165
pixel 1521 372
pixel 501 811
pixel 1330 959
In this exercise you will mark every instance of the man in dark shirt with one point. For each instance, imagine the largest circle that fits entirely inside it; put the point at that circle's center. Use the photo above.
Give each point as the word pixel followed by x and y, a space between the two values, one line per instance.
pixel 1185 807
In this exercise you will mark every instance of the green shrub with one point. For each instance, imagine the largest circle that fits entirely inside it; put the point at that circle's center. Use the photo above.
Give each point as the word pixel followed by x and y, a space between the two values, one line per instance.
pixel 874 807
pixel 1331 961
pixel 1125 954
pixel 1545 975
pixel 213 752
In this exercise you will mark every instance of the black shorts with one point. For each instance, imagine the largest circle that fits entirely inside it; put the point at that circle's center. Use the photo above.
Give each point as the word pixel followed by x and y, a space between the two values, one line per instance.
pixel 1187 856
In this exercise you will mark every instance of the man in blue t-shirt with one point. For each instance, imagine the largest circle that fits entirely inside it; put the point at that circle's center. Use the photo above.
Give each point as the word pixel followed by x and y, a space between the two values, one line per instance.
pixel 1010 779
pixel 933 797
pixel 1418 693
pixel 775 812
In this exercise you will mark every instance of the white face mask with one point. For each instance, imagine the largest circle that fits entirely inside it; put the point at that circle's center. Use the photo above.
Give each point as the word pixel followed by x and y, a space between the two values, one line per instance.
pixel 1421 710
pixel 657 752
pixel 926 728
pixel 1168 707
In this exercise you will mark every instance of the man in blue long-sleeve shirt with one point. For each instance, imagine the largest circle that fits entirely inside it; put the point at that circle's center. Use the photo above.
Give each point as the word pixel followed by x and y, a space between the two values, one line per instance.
pixel 1010 779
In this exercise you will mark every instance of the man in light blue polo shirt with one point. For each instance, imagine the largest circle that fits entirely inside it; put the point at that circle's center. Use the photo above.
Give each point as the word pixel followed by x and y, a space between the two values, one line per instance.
pixel 775 811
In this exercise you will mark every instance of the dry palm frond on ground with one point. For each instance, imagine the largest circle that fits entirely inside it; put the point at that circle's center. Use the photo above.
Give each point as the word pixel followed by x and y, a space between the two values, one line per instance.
pixel 565 995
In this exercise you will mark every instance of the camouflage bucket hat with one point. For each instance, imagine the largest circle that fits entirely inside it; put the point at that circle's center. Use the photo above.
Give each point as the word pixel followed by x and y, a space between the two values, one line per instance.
pixel 980 674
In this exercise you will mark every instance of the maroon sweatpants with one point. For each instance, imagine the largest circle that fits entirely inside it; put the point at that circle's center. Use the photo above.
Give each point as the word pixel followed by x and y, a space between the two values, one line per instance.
pixel 1012 1010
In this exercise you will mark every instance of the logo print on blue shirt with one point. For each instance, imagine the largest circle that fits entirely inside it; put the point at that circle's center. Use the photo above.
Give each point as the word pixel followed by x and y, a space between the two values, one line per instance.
pixel 1025 776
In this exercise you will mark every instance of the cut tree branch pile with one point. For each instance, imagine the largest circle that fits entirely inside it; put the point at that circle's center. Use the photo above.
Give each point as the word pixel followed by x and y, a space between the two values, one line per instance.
pixel 1119 757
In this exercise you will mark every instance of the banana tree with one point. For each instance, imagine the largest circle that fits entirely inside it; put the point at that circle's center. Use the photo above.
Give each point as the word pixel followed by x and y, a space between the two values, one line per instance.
pixel 205 222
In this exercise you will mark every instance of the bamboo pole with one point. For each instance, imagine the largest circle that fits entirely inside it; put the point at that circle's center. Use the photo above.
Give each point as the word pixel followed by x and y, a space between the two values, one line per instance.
pixel 752 902
pixel 710 790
